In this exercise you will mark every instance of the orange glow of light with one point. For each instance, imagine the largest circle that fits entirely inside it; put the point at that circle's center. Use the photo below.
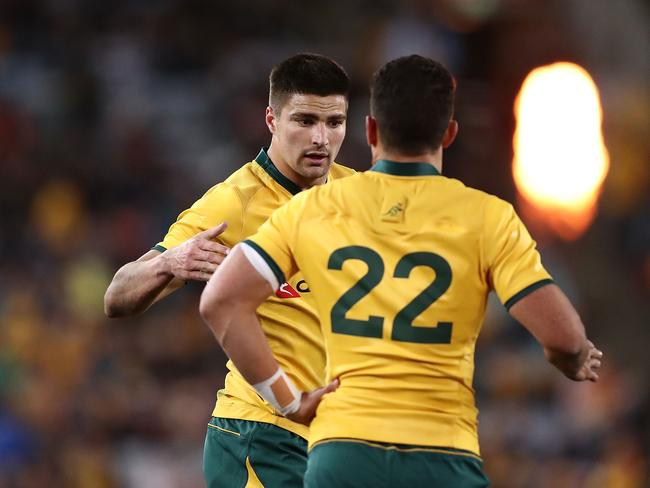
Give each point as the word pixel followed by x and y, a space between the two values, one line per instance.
pixel 560 160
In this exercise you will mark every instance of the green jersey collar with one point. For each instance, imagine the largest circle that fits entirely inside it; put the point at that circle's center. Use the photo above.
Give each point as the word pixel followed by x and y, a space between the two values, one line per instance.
pixel 404 169
pixel 265 162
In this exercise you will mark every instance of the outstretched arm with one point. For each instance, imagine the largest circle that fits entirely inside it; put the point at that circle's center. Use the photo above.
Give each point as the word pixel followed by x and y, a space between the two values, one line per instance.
pixel 548 314
pixel 228 305
pixel 139 284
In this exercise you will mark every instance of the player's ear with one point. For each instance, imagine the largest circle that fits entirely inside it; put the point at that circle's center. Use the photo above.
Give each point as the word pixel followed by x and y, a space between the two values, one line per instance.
pixel 371 130
pixel 450 134
pixel 270 119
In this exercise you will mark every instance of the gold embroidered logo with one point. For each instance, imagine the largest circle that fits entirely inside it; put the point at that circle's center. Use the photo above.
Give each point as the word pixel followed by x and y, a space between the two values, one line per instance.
pixel 394 210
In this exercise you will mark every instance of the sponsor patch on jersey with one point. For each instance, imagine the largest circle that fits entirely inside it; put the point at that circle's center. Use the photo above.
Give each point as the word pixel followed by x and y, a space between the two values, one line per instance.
pixel 286 291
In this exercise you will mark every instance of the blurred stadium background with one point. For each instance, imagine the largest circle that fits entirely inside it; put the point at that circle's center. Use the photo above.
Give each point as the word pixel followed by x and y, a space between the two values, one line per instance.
pixel 114 116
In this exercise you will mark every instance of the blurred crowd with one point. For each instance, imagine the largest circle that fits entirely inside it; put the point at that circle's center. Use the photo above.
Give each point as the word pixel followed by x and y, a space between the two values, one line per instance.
pixel 115 116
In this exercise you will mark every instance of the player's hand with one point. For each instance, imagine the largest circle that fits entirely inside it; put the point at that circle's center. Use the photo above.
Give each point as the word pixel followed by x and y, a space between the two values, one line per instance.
pixel 589 369
pixel 197 258
pixel 309 403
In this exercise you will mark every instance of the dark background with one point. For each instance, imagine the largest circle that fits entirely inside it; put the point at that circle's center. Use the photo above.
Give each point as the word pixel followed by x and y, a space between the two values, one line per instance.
pixel 115 116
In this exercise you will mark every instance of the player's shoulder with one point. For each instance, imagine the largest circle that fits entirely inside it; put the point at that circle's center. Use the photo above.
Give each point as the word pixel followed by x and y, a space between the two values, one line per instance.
pixel 238 188
pixel 334 186
pixel 245 179
pixel 327 198
pixel 230 194
pixel 475 198
pixel 338 171
pixel 347 177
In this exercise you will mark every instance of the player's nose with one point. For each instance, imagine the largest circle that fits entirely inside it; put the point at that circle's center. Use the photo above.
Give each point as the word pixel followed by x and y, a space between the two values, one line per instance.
pixel 319 135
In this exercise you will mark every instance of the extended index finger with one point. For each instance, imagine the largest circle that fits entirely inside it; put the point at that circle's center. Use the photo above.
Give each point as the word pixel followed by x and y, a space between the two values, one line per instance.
pixel 214 231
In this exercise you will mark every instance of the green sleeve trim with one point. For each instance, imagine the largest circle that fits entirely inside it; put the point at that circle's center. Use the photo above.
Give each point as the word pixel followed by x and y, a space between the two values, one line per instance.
pixel 526 291
pixel 269 260
pixel 158 247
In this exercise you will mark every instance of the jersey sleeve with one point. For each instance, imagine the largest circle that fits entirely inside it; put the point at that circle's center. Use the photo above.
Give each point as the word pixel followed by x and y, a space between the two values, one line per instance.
pixel 275 239
pixel 514 266
pixel 220 203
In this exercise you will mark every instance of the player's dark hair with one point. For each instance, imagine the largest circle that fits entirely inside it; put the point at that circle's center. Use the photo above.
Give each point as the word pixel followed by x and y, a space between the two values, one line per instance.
pixel 310 74
pixel 412 100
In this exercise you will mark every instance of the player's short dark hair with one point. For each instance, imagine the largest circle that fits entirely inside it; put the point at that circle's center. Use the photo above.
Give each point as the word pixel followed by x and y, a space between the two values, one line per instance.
pixel 305 73
pixel 412 100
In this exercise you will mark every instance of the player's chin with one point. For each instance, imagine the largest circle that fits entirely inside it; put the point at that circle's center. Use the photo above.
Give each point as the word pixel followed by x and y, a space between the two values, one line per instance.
pixel 316 169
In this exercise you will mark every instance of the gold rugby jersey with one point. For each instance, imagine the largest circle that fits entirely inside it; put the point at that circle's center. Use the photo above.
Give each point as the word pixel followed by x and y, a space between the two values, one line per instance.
pixel 245 200
pixel 400 261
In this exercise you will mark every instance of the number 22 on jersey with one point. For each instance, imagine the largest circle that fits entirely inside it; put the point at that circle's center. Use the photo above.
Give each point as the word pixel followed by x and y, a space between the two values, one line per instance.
pixel 403 328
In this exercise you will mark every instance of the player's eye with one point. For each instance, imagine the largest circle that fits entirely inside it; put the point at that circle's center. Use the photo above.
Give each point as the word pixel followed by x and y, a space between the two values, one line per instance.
pixel 335 123
pixel 305 122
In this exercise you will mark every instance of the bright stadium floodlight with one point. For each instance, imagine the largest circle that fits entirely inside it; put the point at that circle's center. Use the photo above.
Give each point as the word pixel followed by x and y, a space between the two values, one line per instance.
pixel 560 159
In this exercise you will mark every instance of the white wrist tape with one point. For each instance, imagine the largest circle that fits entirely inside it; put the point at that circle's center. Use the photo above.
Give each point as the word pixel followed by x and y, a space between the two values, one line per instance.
pixel 280 392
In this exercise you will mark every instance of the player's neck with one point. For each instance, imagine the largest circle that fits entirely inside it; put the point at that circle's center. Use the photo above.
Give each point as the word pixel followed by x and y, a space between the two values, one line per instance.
pixel 432 158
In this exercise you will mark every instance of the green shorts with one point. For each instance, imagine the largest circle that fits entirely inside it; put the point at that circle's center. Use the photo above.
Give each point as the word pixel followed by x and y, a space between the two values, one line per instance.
pixel 246 454
pixel 354 463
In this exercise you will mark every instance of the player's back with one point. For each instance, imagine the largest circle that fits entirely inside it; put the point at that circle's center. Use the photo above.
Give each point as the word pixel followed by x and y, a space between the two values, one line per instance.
pixel 400 266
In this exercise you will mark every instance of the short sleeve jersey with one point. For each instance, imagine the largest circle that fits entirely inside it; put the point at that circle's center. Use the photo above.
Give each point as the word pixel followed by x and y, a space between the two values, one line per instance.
pixel 400 261
pixel 245 200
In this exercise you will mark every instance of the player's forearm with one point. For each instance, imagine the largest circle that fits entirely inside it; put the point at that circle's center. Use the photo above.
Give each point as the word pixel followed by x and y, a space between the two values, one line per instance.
pixel 245 343
pixel 237 329
pixel 228 305
pixel 548 314
pixel 135 287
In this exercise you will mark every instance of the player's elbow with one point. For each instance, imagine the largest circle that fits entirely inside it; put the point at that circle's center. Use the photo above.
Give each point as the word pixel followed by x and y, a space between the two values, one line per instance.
pixel 117 304
pixel 206 308
pixel 215 310
pixel 112 307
